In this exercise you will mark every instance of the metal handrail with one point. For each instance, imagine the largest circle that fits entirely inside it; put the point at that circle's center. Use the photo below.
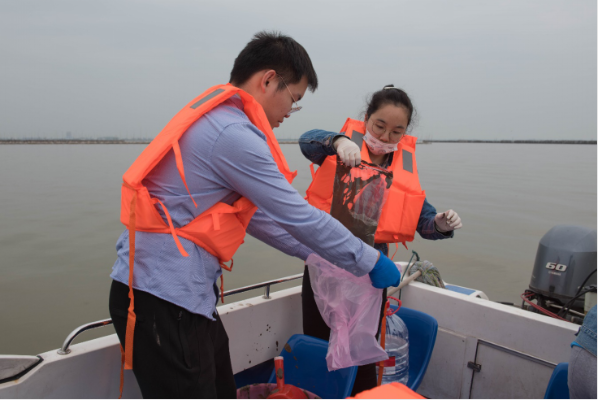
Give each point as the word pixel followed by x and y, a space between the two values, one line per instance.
pixel 99 324
pixel 69 339
pixel 263 284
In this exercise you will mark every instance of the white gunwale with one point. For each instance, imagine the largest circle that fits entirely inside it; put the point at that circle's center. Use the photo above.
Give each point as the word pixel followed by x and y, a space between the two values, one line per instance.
pixel 507 342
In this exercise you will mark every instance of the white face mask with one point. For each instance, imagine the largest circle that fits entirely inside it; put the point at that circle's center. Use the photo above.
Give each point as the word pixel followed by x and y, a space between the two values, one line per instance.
pixel 378 147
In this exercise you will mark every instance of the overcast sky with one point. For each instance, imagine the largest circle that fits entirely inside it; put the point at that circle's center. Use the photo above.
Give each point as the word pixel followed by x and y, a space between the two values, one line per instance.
pixel 474 69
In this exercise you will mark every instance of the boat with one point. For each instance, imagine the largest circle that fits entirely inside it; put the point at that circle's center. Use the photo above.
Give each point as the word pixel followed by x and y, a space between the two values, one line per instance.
pixel 483 349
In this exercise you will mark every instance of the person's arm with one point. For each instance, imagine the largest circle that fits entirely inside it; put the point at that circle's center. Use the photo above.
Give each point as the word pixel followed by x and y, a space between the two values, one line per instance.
pixel 425 225
pixel 265 229
pixel 318 144
pixel 243 162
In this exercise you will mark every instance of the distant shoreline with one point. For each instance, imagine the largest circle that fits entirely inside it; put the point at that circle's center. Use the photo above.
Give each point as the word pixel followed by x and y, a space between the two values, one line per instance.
pixel 71 141
pixel 122 141
pixel 514 141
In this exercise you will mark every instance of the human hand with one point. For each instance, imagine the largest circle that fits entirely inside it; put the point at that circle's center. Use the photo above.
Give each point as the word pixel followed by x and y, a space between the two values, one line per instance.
pixel 348 151
pixel 447 221
pixel 385 273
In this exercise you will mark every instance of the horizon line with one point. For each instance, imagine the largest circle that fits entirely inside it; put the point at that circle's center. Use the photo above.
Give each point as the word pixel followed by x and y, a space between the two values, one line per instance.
pixel 282 141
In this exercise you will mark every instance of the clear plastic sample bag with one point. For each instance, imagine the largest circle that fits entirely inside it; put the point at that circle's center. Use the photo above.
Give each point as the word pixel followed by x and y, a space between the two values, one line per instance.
pixel 350 306
pixel 358 196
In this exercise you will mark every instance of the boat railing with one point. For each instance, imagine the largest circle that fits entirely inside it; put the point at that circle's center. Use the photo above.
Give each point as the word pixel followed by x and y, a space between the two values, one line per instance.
pixel 98 324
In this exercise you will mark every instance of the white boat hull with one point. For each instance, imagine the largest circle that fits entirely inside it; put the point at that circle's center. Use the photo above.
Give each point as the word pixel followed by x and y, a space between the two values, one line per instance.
pixel 515 349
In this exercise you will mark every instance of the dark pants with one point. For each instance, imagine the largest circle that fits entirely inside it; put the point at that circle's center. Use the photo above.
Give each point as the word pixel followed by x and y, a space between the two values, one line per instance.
pixel 314 325
pixel 176 354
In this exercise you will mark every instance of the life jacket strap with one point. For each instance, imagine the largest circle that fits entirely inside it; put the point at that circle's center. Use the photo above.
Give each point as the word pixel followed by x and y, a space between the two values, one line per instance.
pixel 313 171
pixel 131 317
pixel 179 164
pixel 396 250
pixel 226 267
pixel 172 230
pixel 222 288
pixel 387 313
pixel 122 371
pixel 383 341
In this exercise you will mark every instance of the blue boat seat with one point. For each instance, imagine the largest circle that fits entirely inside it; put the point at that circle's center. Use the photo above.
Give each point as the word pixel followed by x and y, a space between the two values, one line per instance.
pixel 557 386
pixel 305 367
pixel 422 337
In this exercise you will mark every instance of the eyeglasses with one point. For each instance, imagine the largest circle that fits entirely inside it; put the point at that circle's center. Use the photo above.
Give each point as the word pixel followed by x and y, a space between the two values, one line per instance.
pixel 379 130
pixel 297 107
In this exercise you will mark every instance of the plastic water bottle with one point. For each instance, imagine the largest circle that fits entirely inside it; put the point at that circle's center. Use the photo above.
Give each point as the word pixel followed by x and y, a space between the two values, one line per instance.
pixel 396 368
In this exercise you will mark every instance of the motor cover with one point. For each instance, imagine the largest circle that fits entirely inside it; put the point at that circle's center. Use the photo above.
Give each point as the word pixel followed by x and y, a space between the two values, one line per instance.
pixel 566 256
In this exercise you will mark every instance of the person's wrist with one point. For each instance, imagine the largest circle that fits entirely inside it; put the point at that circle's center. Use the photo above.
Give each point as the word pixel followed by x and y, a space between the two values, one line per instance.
pixel 335 140
pixel 377 264
pixel 445 233
pixel 436 228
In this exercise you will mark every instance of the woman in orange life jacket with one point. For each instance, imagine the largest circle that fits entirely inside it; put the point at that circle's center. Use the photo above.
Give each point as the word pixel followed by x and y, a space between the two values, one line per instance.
pixel 387 119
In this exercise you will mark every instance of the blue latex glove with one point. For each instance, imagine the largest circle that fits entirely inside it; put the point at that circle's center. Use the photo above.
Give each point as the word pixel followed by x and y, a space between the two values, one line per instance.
pixel 385 273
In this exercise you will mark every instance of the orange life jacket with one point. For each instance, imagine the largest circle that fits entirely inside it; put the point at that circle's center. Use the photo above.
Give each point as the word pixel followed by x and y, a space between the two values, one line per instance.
pixel 392 390
pixel 400 213
pixel 220 230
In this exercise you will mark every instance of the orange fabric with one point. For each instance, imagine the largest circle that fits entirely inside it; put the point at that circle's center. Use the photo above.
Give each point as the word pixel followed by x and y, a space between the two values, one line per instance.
pixel 382 341
pixel 396 250
pixel 220 229
pixel 313 171
pixel 179 165
pixel 221 288
pixel 385 314
pixel 392 390
pixel 122 372
pixel 131 317
pixel 172 229
pixel 226 267
pixel 400 213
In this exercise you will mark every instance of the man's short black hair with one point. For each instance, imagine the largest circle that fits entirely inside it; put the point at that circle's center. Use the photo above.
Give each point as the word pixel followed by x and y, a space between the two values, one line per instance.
pixel 273 50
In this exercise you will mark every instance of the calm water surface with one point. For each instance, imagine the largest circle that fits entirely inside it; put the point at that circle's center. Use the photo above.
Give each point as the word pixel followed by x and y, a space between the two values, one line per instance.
pixel 60 220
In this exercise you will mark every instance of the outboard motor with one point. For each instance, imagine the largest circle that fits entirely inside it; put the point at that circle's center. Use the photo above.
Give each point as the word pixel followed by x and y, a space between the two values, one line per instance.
pixel 564 276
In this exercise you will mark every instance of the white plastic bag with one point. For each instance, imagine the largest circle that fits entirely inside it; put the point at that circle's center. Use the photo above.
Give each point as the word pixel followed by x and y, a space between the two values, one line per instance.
pixel 350 306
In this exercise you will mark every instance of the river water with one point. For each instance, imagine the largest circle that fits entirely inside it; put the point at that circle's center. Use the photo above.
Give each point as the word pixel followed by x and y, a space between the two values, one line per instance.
pixel 60 220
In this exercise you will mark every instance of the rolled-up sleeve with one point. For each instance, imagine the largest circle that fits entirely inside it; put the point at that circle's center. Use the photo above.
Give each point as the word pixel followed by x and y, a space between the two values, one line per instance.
pixel 241 158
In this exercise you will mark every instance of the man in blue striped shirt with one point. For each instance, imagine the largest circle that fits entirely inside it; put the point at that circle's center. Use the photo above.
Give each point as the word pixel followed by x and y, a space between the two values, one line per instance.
pixel 181 347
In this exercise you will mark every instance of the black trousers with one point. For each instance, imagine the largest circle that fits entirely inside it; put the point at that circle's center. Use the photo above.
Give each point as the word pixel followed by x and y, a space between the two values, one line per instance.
pixel 314 325
pixel 176 354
